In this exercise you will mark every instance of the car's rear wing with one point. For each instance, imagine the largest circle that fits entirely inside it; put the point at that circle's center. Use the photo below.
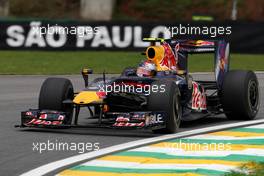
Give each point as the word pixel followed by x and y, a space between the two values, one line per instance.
pixel 196 46
pixel 189 46
pixel 220 48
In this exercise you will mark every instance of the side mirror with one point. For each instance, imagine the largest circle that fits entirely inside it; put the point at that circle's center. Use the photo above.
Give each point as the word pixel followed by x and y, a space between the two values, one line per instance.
pixel 85 72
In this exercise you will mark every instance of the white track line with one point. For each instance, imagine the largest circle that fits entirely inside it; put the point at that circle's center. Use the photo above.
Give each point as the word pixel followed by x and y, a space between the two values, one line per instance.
pixel 47 168
pixel 217 153
pixel 258 126
pixel 138 165
pixel 218 137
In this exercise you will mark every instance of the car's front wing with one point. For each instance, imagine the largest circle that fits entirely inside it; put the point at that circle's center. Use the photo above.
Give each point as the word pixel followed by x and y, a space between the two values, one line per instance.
pixel 121 120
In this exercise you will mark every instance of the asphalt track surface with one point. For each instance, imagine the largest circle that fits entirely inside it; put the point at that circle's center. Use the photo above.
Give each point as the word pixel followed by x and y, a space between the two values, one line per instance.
pixel 19 93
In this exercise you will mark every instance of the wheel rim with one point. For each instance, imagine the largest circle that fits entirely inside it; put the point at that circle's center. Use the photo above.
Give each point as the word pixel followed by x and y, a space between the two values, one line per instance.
pixel 253 95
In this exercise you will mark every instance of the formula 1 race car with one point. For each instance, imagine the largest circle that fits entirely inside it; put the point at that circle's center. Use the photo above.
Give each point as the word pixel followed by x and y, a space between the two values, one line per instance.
pixel 158 94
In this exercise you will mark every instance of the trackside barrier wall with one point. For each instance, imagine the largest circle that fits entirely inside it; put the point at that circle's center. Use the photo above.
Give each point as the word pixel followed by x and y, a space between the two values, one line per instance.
pixel 244 37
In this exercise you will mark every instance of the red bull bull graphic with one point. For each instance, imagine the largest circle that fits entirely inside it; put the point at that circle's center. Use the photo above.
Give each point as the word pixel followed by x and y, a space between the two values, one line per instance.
pixel 169 61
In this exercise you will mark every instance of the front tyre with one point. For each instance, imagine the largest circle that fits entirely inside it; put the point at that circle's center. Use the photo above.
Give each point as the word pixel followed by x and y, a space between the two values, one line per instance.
pixel 52 94
pixel 240 96
pixel 169 102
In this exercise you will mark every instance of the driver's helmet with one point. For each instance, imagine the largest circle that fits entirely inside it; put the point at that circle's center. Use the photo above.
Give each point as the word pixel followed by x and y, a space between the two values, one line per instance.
pixel 146 69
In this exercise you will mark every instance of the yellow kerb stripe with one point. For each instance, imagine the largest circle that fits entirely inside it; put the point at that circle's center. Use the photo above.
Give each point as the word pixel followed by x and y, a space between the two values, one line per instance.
pixel 148 160
pixel 237 134
pixel 202 147
pixel 84 173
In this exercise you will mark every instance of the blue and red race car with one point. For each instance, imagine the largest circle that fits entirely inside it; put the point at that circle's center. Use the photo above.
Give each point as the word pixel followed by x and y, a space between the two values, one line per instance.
pixel 158 94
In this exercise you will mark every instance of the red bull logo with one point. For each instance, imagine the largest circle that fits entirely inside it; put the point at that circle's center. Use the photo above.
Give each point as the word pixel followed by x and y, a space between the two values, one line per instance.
pixel 198 97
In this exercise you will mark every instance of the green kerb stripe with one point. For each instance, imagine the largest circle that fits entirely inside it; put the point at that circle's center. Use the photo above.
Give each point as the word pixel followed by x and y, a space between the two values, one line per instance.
pixel 232 157
pixel 250 130
pixel 208 141
pixel 147 171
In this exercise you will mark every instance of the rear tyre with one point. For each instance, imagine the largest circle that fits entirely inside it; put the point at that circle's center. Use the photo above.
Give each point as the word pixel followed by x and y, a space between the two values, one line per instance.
pixel 240 96
pixel 169 102
pixel 52 94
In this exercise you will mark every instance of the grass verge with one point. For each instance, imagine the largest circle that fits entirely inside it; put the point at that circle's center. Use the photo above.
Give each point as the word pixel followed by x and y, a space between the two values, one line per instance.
pixel 249 169
pixel 40 62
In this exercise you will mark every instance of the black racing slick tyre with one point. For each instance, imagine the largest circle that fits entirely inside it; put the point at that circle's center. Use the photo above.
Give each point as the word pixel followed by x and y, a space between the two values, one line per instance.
pixel 240 95
pixel 52 94
pixel 167 101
